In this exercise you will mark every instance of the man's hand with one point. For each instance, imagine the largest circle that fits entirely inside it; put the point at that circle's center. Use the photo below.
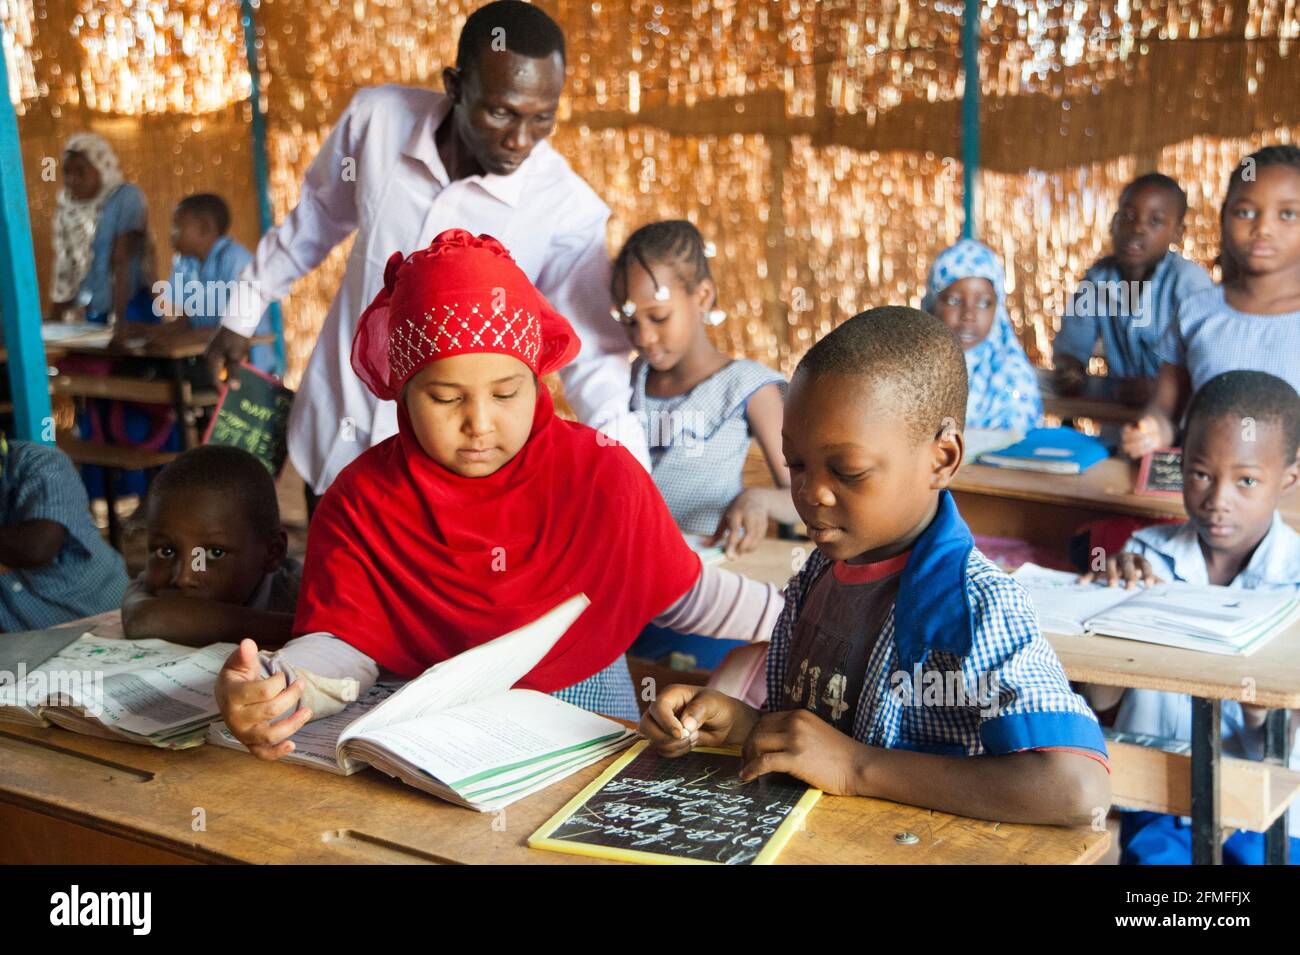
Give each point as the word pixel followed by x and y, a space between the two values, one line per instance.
pixel 804 745
pixel 224 354
pixel 249 704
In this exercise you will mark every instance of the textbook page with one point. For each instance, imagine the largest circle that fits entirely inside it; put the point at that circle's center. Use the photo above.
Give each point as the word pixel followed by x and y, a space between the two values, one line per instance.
pixel 474 740
pixel 1064 605
pixel 156 698
pixel 488 669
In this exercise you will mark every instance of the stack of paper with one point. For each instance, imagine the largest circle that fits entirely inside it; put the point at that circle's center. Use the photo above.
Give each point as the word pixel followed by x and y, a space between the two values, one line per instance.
pixel 1221 620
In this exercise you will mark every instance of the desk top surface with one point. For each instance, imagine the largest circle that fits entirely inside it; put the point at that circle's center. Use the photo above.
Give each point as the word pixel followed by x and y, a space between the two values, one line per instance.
pixel 1271 674
pixel 268 812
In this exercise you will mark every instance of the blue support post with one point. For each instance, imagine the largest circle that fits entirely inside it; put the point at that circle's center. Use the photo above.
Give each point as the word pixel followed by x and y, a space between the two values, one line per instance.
pixel 20 301
pixel 261 167
pixel 970 112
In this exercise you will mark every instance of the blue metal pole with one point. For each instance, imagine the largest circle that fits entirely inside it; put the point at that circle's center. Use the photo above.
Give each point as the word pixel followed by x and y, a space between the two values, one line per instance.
pixel 261 167
pixel 970 112
pixel 20 301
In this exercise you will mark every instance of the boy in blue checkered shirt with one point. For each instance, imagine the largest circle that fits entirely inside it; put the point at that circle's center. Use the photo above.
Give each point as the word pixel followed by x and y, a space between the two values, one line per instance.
pixel 902 651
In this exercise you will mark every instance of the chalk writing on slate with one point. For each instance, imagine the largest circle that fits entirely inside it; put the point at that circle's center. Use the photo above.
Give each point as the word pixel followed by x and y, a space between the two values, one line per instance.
pixel 255 418
pixel 1162 473
pixel 693 809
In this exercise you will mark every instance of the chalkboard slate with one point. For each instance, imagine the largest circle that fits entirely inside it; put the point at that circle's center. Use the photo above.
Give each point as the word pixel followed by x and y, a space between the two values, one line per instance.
pixel 1161 474
pixel 255 417
pixel 693 809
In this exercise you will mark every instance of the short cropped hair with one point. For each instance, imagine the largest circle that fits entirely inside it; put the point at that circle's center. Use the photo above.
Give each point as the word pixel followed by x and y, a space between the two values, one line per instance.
pixel 1250 394
pixel 526 30
pixel 207 205
pixel 233 472
pixel 1157 180
pixel 912 353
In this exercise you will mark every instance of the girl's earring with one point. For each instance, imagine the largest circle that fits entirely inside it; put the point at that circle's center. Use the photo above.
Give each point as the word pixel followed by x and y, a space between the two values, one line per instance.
pixel 715 316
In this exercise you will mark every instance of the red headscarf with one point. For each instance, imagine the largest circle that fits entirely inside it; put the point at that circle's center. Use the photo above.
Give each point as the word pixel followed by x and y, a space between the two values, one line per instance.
pixel 412 563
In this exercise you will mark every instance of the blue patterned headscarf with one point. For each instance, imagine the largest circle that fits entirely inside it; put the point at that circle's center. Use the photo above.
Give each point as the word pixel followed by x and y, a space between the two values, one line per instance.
pixel 1003 386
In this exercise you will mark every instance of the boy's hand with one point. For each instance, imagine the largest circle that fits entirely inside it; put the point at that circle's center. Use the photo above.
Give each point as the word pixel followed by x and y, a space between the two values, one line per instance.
pixel 249 703
pixel 1130 568
pixel 804 745
pixel 1139 439
pixel 686 716
pixel 744 524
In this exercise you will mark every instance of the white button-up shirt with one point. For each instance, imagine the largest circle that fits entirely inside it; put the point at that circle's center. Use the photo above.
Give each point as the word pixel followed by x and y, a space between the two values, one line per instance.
pixel 379 174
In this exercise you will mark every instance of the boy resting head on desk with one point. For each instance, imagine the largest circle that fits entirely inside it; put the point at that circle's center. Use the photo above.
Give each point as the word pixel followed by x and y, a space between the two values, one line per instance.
pixel 1239 458
pixel 902 652
pixel 217 569
pixel 483 512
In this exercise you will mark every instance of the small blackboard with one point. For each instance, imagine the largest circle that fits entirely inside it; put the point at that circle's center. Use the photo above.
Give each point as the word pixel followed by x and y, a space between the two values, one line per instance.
pixel 692 809
pixel 1161 473
pixel 254 417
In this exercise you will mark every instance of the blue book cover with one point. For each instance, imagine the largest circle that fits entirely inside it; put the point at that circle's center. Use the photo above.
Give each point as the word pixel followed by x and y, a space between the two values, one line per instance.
pixel 1051 450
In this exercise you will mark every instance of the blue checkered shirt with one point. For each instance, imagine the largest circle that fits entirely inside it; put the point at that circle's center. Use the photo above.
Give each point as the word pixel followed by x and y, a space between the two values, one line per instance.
pixel 1016 696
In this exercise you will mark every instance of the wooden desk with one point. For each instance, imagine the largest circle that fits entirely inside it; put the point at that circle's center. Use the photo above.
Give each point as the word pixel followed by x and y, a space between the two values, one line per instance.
pixel 68 798
pixel 1271 675
pixel 1098 400
pixel 1045 509
pixel 172 350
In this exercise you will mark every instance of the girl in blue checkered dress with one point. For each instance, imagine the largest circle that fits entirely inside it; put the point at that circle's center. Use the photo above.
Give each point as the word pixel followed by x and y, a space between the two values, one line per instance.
pixel 700 409
pixel 1252 321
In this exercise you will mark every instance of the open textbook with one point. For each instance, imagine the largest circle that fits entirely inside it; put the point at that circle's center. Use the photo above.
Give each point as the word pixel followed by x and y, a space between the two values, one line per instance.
pixel 142 691
pixel 458 731
pixel 1221 620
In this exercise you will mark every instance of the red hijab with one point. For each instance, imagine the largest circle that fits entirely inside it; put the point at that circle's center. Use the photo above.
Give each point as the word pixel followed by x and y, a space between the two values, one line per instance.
pixel 412 563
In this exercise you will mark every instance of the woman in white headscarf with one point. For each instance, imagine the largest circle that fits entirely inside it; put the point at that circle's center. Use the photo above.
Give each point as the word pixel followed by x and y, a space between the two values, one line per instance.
pixel 102 254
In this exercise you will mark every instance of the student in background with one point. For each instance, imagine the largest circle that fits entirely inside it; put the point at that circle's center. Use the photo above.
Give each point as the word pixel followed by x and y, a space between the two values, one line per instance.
pixel 103 260
pixel 217 569
pixel 966 291
pixel 1128 298
pixel 1240 457
pixel 54 565
pixel 699 408
pixel 1251 321
pixel 205 271
pixel 894 602
pixel 482 513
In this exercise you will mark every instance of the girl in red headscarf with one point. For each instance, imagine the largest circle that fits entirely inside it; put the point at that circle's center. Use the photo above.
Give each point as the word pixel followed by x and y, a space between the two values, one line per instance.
pixel 483 512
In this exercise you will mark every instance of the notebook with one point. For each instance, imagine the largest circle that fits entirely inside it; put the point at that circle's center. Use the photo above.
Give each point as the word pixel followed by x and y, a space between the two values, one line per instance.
pixel 1222 620
pixel 461 733
pixel 1051 451
pixel 148 692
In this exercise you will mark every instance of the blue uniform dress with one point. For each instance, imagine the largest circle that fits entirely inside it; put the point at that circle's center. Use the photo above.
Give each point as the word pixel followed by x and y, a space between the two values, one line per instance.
pixel 1130 325
pixel 698 442
pixel 87 576
pixel 201 290
pixel 125 210
pixel 1151 838
pixel 1208 337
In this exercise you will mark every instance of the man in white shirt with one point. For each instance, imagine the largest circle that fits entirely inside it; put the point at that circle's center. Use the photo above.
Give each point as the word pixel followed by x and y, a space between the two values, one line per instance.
pixel 399 167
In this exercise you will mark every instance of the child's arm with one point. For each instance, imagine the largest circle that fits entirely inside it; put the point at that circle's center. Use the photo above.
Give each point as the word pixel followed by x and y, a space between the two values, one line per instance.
pixel 1044 787
pixel 1157 428
pixel 753 507
pixel 197 622
pixel 725 604
pixel 31 543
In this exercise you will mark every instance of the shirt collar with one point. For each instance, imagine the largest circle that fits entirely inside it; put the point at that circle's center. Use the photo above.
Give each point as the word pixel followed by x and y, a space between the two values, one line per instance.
pixel 218 249
pixel 931 611
pixel 1275 563
pixel 422 146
